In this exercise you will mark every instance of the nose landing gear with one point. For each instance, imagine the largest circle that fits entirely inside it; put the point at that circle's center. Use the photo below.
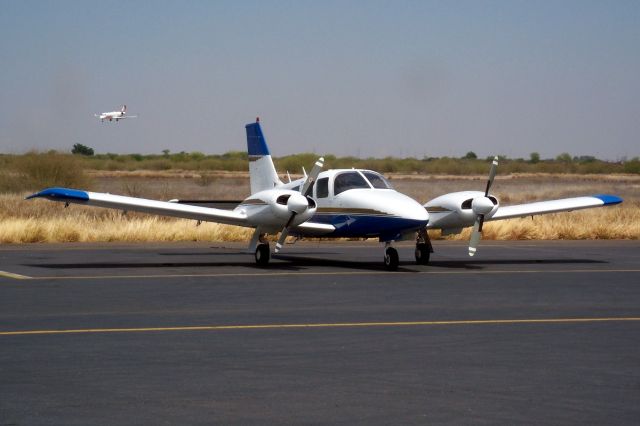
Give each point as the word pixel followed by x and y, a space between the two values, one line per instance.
pixel 391 259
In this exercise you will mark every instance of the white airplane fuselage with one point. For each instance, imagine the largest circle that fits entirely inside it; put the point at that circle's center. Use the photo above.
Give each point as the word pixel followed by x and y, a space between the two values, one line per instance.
pixel 347 200
pixel 113 115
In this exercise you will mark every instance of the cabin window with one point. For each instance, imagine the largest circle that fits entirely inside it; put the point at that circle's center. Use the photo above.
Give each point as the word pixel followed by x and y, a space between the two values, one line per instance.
pixel 322 188
pixel 349 180
pixel 376 180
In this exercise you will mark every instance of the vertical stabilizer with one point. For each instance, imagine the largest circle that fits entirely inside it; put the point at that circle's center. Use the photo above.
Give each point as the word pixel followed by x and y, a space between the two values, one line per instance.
pixel 262 173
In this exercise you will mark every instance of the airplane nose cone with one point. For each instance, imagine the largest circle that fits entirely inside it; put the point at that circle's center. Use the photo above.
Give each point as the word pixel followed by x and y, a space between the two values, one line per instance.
pixel 412 210
pixel 402 206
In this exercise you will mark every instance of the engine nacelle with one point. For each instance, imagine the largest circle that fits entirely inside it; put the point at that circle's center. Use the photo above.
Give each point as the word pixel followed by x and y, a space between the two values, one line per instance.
pixel 272 208
pixel 457 210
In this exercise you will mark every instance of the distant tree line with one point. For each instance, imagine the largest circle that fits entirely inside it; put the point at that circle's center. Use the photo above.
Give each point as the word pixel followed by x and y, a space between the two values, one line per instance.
pixel 468 164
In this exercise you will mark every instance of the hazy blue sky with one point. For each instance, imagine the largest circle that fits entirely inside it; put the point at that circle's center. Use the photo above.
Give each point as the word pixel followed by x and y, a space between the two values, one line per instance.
pixel 365 78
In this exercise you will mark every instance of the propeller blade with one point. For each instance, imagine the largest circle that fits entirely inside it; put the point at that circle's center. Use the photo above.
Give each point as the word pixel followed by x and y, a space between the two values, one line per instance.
pixel 476 235
pixel 308 184
pixel 283 236
pixel 492 174
pixel 284 233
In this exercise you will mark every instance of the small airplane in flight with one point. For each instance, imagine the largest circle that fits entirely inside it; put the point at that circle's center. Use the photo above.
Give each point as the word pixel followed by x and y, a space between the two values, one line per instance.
pixel 342 203
pixel 115 115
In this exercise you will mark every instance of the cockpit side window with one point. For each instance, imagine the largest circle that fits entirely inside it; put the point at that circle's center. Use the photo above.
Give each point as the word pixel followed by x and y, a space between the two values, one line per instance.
pixel 348 180
pixel 322 188
pixel 376 180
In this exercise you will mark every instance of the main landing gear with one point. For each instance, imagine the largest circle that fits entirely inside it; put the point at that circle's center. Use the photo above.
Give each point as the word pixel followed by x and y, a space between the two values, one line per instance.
pixel 423 247
pixel 263 254
pixel 261 247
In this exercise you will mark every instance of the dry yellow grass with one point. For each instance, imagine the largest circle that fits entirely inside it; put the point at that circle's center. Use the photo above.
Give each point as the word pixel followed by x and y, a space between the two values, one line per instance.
pixel 72 229
pixel 43 221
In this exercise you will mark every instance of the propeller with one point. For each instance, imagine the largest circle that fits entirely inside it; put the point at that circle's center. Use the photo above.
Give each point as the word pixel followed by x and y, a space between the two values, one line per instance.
pixel 481 206
pixel 294 203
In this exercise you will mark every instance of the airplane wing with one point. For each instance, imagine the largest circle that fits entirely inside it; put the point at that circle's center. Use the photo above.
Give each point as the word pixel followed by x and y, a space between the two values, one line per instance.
pixel 143 205
pixel 554 206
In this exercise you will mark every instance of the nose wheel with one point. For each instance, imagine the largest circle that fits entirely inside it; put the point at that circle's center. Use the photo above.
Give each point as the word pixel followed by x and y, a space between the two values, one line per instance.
pixel 391 259
pixel 263 254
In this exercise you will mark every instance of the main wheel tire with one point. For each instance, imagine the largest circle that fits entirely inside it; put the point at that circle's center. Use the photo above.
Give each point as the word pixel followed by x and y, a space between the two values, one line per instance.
pixel 422 253
pixel 263 253
pixel 391 259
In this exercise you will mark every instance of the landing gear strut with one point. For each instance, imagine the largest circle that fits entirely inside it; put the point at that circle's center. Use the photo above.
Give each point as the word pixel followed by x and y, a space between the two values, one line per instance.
pixel 391 259
pixel 423 247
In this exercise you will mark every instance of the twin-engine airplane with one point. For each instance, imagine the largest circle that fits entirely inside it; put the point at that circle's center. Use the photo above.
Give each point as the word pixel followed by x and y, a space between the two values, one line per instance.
pixel 337 204
pixel 115 115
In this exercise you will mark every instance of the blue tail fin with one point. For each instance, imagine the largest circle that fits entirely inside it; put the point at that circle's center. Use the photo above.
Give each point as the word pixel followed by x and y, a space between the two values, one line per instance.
pixel 256 144
pixel 262 173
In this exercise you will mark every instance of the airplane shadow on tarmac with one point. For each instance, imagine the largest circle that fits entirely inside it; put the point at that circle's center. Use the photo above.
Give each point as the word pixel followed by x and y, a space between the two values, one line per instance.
pixel 278 263
pixel 479 264
pixel 299 262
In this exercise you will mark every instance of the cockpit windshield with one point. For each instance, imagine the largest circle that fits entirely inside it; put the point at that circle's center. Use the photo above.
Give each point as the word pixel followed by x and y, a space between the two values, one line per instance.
pixel 377 180
pixel 349 180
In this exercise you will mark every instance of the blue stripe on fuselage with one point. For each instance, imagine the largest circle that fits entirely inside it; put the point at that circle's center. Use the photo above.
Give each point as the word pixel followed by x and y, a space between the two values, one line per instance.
pixel 359 226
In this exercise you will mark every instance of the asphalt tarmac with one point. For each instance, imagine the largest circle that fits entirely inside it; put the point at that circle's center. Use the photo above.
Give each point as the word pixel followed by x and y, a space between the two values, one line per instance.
pixel 524 333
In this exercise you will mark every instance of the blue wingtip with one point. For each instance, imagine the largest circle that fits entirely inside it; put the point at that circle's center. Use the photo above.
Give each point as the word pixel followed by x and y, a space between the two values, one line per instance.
pixel 60 194
pixel 256 144
pixel 609 200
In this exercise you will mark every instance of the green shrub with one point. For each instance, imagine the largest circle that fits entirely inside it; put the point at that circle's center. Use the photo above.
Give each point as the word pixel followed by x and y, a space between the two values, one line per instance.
pixel 34 171
pixel 632 166
pixel 80 149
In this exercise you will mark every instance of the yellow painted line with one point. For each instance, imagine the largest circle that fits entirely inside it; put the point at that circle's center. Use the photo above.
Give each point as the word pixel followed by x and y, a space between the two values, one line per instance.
pixel 14 276
pixel 326 273
pixel 320 325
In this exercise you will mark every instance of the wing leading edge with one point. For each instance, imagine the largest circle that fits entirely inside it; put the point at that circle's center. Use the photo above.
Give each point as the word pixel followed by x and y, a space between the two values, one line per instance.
pixel 143 205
